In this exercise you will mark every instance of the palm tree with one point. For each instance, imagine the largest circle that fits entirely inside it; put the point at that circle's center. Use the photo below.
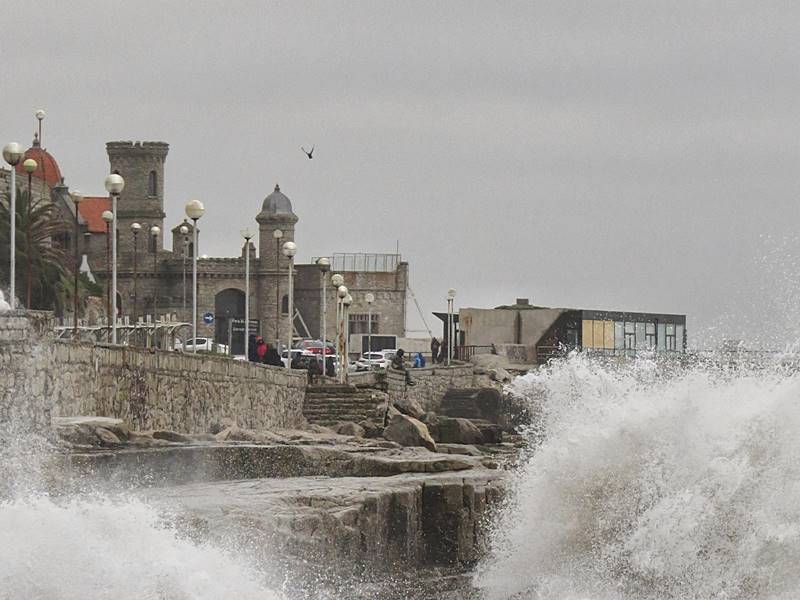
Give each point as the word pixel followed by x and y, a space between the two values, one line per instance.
pixel 43 263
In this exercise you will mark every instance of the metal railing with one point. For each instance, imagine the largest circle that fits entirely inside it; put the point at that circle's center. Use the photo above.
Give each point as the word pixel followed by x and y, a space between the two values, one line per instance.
pixel 464 353
pixel 364 262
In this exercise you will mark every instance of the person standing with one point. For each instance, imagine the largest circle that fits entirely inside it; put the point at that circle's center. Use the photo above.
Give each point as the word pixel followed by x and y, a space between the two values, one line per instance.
pixel 434 350
pixel 443 351
pixel 261 349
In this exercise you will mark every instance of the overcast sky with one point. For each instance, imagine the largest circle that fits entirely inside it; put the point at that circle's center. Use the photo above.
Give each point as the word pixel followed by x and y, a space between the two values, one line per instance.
pixel 603 155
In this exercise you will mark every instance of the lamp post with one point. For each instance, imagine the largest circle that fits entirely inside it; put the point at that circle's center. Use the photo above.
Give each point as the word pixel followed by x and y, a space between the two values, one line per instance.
pixel 336 281
pixel 108 217
pixel 324 265
pixel 154 231
pixel 370 298
pixel 30 166
pixel 135 229
pixel 194 210
pixel 114 186
pixel 451 294
pixel 289 250
pixel 342 293
pixel 184 232
pixel 346 302
pixel 77 197
pixel 278 235
pixel 247 234
pixel 12 153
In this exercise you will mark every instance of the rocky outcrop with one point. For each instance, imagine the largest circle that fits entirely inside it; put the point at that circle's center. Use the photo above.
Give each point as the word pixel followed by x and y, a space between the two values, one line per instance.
pixel 458 431
pixel 408 431
pixel 324 528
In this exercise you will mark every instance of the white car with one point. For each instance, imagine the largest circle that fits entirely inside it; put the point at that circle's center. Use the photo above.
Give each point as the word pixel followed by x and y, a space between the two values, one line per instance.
pixel 201 344
pixel 296 352
pixel 372 360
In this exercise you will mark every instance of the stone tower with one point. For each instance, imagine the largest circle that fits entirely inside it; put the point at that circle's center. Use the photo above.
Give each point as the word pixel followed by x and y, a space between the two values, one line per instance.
pixel 276 214
pixel 141 164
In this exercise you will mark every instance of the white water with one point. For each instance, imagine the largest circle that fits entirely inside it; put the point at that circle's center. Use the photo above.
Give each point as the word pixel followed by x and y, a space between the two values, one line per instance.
pixel 92 546
pixel 654 485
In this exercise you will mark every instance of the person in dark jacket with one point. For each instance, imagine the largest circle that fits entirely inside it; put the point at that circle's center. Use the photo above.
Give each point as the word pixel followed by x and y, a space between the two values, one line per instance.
pixel 252 353
pixel 434 350
pixel 272 357
pixel 443 351
pixel 398 363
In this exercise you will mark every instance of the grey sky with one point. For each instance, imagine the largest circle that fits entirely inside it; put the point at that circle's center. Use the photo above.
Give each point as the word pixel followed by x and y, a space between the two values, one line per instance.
pixel 596 155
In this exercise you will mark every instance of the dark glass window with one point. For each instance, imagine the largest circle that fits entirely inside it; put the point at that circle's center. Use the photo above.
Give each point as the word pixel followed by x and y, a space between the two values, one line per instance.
pixel 152 184
pixel 359 323
pixel 285 304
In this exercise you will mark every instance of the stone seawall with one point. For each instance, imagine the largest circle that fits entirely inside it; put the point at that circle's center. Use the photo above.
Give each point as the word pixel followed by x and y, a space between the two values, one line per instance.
pixel 42 378
pixel 430 384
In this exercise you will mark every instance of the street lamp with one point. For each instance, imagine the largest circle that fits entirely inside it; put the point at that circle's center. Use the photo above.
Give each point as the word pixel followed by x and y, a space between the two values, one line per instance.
pixel 278 235
pixel 370 298
pixel 184 232
pixel 194 210
pixel 154 231
pixel 114 186
pixel 77 197
pixel 30 166
pixel 451 294
pixel 342 292
pixel 135 229
pixel 324 265
pixel 346 302
pixel 336 281
pixel 108 217
pixel 289 250
pixel 247 234
pixel 12 153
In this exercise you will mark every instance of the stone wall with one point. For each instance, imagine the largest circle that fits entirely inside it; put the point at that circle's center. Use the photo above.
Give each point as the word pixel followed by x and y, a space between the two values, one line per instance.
pixel 430 384
pixel 161 390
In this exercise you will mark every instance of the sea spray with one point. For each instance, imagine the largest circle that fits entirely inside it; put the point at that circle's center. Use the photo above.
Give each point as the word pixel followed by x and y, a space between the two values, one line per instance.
pixel 654 482
pixel 68 545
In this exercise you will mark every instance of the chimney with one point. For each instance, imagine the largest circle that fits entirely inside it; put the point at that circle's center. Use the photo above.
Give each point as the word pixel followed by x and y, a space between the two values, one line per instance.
pixel 523 302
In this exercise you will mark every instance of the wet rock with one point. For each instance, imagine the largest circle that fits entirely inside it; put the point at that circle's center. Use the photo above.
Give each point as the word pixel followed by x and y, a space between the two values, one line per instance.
pixel 408 431
pixel 116 426
pixel 492 434
pixel 499 374
pixel 349 428
pixel 171 436
pixel 409 406
pixel 465 449
pixel 107 438
pixel 458 431
pixel 238 434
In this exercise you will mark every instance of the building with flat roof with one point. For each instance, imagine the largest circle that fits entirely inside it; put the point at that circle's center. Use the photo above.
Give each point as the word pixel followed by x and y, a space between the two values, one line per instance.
pixel 544 330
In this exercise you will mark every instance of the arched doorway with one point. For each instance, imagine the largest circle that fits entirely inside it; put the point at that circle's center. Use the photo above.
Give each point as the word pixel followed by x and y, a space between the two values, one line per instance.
pixel 228 305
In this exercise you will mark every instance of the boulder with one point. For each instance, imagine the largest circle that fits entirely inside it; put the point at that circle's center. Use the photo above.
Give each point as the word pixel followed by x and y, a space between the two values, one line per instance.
pixel 466 449
pixel 371 430
pixel 349 428
pixel 409 406
pixel 492 434
pixel 500 375
pixel 458 431
pixel 106 437
pixel 489 361
pixel 382 417
pixel 234 433
pixel 116 426
pixel 408 431
pixel 171 436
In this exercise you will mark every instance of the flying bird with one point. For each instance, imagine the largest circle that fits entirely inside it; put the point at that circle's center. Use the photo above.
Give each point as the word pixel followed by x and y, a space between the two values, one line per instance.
pixel 307 153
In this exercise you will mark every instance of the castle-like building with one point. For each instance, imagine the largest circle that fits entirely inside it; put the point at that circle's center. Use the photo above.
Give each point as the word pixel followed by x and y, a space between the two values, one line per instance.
pixel 155 281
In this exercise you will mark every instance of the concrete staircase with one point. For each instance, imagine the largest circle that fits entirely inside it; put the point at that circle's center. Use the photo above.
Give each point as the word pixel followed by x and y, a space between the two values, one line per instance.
pixel 327 404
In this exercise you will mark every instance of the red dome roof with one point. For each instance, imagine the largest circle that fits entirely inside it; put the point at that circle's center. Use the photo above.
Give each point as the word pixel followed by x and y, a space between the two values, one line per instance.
pixel 46 165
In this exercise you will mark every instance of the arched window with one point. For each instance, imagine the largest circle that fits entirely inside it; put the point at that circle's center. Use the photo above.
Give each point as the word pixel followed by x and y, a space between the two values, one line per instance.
pixel 152 184
pixel 285 304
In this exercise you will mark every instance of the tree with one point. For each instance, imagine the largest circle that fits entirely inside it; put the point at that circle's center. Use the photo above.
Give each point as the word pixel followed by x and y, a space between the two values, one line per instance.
pixel 38 257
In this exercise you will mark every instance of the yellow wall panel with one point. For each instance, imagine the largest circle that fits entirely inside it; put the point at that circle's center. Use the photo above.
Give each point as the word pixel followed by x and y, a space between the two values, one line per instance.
pixel 608 337
pixel 597 333
pixel 587 336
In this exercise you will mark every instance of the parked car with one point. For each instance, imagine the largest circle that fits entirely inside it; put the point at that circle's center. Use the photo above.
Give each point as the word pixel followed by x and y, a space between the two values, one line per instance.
pixel 201 344
pixel 297 353
pixel 371 360
pixel 315 347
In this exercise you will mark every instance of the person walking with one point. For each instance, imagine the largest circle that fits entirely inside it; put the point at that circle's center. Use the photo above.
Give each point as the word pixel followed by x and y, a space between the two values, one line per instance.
pixel 443 351
pixel 434 350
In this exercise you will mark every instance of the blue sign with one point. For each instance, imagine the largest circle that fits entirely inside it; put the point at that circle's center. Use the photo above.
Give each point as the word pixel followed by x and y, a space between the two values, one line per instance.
pixel 208 318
